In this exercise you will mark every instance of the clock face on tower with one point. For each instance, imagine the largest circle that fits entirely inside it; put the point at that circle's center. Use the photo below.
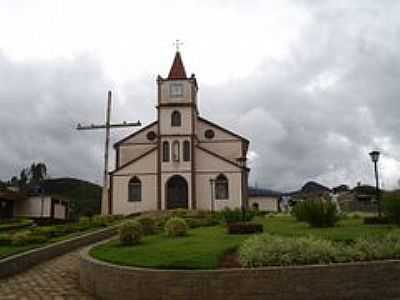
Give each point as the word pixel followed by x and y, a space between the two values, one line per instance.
pixel 176 90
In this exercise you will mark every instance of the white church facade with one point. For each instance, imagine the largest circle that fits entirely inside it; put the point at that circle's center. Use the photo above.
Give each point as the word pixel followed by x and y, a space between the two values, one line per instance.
pixel 181 160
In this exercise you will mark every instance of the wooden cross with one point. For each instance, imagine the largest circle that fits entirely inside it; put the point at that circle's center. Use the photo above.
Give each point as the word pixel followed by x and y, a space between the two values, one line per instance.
pixel 107 126
pixel 177 44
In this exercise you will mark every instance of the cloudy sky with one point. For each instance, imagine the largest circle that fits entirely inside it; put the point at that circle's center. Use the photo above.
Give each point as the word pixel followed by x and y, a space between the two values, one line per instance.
pixel 315 85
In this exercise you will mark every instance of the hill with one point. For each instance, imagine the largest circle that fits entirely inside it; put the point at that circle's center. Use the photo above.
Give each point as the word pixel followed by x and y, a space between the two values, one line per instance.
pixel 254 191
pixel 314 187
pixel 85 196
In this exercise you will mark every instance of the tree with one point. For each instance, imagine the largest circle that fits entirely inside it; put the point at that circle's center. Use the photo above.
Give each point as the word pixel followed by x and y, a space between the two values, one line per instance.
pixel 23 178
pixel 38 173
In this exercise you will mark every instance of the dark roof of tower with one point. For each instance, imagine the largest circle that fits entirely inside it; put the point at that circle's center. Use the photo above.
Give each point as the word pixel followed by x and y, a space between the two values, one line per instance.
pixel 177 69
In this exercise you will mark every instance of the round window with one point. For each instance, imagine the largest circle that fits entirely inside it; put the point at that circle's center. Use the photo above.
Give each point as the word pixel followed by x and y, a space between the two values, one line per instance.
pixel 209 133
pixel 151 135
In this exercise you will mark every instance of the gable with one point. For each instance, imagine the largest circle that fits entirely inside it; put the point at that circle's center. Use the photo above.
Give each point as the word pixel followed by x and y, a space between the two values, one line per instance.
pixel 220 132
pixel 146 163
pixel 139 136
pixel 212 162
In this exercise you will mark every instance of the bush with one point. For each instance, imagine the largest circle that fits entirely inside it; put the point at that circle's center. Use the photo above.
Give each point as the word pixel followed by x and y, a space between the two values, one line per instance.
pixel 268 250
pixel 27 238
pixel 48 231
pixel 179 212
pixel 376 248
pixel 84 220
pixel 148 225
pixel 244 228
pixel 376 220
pixel 391 206
pixel 130 233
pixel 100 221
pixel 5 239
pixel 176 227
pixel 317 213
pixel 201 222
pixel 237 215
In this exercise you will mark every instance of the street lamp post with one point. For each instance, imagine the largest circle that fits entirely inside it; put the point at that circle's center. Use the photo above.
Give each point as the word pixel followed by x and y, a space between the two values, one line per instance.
pixel 375 157
pixel 212 181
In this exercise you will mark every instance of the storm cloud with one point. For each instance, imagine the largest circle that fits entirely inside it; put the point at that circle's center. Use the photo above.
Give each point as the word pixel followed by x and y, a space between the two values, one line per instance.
pixel 313 114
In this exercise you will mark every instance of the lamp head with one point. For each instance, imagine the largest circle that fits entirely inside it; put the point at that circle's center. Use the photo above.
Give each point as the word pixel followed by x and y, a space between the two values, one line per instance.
pixel 374 156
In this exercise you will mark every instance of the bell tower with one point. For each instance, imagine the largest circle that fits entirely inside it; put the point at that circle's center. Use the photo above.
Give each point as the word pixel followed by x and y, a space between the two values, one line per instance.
pixel 177 117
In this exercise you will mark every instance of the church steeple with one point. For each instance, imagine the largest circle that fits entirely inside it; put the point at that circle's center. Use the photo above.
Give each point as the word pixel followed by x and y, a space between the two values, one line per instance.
pixel 177 70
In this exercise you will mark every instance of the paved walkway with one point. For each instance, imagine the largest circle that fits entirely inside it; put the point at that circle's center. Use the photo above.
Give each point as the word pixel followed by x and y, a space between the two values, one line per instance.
pixel 57 278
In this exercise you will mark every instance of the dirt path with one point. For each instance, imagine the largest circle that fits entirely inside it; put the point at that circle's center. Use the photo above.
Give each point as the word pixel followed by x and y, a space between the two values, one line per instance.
pixel 57 278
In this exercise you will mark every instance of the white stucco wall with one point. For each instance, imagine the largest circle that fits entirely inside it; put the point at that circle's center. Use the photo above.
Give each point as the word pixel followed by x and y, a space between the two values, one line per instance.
pixel 130 152
pixel 141 137
pixel 33 207
pixel 59 211
pixel 202 126
pixel 165 93
pixel 173 166
pixel 209 166
pixel 145 170
pixel 186 119
pixel 265 203
pixel 228 149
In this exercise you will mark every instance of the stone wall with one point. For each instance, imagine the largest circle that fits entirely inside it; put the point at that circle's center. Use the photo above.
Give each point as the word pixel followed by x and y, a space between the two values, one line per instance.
pixel 23 261
pixel 369 280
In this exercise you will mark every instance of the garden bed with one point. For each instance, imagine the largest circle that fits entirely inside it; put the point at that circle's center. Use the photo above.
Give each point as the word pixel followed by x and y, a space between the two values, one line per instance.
pixel 18 240
pixel 206 247
pixel 365 280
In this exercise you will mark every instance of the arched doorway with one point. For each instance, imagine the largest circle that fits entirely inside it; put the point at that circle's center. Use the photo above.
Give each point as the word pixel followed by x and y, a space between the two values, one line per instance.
pixel 176 192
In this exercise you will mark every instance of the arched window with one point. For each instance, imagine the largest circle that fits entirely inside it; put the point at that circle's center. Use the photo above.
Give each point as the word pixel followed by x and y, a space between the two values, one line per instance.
pixel 165 153
pixel 186 151
pixel 221 187
pixel 175 151
pixel 176 119
pixel 135 189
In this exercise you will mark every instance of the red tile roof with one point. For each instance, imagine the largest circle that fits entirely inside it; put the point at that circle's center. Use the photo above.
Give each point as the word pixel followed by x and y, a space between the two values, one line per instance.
pixel 177 70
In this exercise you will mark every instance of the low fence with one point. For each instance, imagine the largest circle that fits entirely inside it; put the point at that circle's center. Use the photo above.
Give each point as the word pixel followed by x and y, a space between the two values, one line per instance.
pixel 23 261
pixel 364 280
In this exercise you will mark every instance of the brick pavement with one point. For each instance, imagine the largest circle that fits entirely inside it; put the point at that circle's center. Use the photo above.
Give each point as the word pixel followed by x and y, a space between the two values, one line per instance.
pixel 57 278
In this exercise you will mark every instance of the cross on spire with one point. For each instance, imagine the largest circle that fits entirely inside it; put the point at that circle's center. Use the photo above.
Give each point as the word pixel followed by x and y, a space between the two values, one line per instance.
pixel 177 44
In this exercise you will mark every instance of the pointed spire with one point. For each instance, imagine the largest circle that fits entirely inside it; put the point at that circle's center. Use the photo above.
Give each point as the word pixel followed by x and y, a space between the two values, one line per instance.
pixel 177 70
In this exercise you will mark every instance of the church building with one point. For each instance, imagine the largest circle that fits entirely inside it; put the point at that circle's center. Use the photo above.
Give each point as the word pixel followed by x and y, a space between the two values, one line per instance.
pixel 181 160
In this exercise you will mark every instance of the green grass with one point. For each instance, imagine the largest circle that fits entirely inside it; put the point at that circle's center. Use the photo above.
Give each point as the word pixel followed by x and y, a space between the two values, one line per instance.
pixel 14 225
pixel 204 247
pixel 201 249
pixel 346 230
pixel 11 250
pixel 8 250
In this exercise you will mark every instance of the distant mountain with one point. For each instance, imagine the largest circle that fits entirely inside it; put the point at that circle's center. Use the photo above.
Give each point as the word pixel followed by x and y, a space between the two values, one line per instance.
pixel 85 196
pixel 254 191
pixel 314 187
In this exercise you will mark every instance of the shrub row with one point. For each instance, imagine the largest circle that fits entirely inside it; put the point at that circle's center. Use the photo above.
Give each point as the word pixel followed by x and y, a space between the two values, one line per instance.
pixel 236 215
pixel 131 232
pixel 14 224
pixel 268 250
pixel 391 206
pixel 244 228
pixel 42 234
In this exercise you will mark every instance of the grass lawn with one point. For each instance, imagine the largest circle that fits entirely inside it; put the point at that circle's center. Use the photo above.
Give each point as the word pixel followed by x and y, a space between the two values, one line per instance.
pixel 204 247
pixel 7 250
pixel 346 230
pixel 201 249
